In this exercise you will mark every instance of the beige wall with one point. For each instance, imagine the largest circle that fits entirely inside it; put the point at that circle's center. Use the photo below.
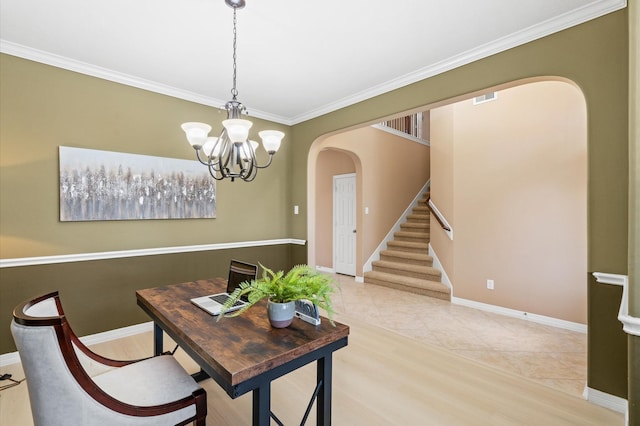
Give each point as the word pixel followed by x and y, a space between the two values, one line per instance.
pixel 518 199
pixel 442 188
pixel 390 170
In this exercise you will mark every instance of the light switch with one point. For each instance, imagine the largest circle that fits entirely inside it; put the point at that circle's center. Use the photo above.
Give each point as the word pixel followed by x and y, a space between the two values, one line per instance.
pixel 295 210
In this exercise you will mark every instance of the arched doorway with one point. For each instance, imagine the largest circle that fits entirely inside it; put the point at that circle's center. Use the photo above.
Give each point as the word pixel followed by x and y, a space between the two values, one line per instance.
pixel 555 167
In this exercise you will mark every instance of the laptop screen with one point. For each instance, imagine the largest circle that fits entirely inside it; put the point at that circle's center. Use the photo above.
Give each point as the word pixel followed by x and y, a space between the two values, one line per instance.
pixel 240 272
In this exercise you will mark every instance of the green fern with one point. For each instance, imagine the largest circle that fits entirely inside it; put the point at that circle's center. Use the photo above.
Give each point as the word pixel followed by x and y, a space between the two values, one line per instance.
pixel 300 283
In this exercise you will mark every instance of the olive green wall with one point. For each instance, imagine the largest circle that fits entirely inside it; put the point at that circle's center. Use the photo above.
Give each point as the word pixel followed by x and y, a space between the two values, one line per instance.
pixel 634 208
pixel 607 343
pixel 44 107
pixel 594 55
pixel 100 295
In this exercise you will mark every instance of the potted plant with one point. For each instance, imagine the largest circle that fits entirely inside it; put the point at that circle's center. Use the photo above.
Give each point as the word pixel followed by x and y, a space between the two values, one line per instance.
pixel 282 291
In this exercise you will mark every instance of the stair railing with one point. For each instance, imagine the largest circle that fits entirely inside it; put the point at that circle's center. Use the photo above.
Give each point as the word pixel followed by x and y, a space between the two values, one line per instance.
pixel 409 127
pixel 440 218
pixel 410 124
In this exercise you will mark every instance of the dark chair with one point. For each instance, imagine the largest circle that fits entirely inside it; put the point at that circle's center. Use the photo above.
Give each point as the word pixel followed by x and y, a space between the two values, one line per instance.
pixel 69 384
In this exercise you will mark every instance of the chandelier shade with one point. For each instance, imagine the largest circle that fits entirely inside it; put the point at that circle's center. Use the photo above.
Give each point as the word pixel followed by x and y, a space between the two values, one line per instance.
pixel 232 155
pixel 237 129
pixel 197 133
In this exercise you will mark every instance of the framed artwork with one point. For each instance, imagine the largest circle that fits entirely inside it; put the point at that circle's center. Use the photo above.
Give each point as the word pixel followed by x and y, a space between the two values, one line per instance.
pixel 106 185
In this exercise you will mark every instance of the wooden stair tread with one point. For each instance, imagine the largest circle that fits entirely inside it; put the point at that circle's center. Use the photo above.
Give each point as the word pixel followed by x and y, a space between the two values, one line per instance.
pixel 407 267
pixel 410 245
pixel 396 281
pixel 407 255
pixel 410 234
pixel 415 226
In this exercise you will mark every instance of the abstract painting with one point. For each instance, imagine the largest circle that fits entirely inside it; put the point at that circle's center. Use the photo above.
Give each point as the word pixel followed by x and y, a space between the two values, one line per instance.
pixel 105 185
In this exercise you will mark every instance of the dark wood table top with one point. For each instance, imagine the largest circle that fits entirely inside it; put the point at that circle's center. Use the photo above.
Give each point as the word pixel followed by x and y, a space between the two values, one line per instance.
pixel 238 348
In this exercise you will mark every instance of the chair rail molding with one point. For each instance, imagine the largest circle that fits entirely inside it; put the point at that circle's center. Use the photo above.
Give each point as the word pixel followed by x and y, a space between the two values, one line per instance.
pixel 630 324
pixel 46 260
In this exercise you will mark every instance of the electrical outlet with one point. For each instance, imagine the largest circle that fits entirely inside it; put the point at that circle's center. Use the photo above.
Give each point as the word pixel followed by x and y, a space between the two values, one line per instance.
pixel 490 284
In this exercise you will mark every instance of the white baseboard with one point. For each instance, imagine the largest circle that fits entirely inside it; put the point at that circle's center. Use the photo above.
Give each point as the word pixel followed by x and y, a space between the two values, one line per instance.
pixel 540 319
pixel 436 264
pixel 328 270
pixel 606 400
pixel 106 336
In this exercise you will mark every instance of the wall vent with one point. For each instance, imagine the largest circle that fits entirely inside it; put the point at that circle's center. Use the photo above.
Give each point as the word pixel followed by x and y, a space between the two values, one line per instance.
pixel 487 97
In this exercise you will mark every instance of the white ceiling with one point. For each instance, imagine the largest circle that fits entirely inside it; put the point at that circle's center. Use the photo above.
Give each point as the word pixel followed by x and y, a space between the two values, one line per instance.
pixel 296 59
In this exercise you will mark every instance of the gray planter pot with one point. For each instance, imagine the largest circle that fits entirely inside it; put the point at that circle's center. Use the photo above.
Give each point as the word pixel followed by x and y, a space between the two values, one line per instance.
pixel 280 314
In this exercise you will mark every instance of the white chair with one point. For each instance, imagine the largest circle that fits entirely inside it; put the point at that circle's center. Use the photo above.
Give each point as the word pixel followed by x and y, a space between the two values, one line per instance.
pixel 69 384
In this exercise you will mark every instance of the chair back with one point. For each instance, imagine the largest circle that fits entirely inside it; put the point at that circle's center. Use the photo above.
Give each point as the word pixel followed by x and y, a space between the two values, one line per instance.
pixel 69 384
pixel 42 336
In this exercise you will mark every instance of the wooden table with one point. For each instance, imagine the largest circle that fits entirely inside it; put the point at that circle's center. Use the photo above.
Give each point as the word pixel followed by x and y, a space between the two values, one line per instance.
pixel 244 353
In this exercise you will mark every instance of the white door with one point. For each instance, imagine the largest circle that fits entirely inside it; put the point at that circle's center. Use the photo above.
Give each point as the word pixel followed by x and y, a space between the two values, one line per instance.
pixel 344 224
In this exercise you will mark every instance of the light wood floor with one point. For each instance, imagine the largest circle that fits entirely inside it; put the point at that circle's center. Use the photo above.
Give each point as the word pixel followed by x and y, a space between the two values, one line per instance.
pixel 381 378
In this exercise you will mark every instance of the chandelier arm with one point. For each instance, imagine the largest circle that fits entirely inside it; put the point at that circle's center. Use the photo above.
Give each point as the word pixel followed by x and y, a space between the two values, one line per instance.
pixel 206 163
pixel 214 173
pixel 252 163
pixel 251 173
pixel 226 156
pixel 251 178
pixel 264 166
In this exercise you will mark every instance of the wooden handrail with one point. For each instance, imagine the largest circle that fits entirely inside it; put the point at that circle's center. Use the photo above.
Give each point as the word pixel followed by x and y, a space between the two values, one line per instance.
pixel 437 216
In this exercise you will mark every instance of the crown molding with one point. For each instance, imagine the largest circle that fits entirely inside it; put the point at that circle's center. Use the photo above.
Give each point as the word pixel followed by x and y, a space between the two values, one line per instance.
pixel 561 22
pixel 586 13
pixel 69 64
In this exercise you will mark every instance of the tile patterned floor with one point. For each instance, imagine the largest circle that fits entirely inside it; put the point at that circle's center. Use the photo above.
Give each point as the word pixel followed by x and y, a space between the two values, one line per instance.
pixel 552 356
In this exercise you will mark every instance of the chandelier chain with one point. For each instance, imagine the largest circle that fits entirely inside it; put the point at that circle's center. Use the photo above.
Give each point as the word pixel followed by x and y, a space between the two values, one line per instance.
pixel 234 91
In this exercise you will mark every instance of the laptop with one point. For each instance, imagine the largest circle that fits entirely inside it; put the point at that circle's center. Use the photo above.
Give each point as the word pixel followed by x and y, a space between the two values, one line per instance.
pixel 238 272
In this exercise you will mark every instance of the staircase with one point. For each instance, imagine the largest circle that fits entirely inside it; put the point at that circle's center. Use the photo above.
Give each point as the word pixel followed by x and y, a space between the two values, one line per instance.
pixel 405 264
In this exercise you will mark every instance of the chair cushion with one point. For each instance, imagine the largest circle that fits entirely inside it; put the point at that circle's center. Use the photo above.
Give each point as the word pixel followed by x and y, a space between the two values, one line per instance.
pixel 149 382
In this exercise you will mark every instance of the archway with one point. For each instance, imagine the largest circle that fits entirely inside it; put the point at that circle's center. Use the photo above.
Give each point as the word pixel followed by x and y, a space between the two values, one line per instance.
pixel 317 227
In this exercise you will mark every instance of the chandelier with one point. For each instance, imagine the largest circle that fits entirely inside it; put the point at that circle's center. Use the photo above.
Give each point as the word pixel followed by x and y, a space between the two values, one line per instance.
pixel 232 155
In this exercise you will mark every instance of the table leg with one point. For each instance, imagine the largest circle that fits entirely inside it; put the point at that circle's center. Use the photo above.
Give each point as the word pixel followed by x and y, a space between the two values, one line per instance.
pixel 262 405
pixel 157 339
pixel 323 403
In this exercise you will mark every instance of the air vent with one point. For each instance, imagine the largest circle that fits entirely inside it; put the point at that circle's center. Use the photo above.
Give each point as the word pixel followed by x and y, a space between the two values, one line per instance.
pixel 487 97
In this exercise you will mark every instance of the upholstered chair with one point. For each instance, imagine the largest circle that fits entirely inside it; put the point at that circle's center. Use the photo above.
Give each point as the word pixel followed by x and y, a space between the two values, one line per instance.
pixel 69 384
